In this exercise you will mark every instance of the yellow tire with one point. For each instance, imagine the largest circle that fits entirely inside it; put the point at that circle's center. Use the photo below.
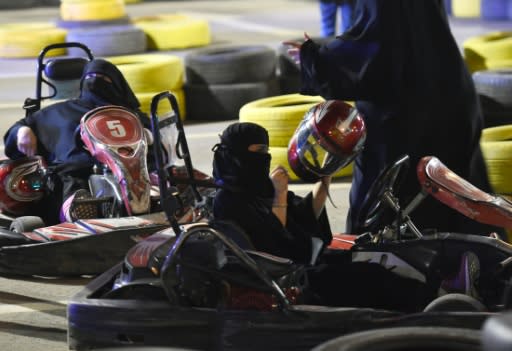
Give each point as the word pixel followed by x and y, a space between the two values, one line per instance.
pixel 499 133
pixel 280 157
pixel 466 8
pixel 280 115
pixel 148 73
pixel 28 39
pixel 491 50
pixel 166 32
pixel 496 144
pixel 164 107
pixel 92 10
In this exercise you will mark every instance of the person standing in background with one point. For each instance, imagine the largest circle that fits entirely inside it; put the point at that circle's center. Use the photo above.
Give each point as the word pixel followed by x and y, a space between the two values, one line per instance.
pixel 414 100
pixel 328 14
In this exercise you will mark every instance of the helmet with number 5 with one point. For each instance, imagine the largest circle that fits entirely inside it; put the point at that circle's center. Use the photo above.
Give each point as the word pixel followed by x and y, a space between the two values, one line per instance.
pixel 329 137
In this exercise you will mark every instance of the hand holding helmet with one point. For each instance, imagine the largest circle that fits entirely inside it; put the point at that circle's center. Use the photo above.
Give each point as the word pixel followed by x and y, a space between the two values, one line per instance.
pixel 329 137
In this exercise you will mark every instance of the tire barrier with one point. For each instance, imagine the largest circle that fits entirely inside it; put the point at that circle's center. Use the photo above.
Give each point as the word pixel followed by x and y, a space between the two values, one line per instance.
pixel 488 51
pixel 466 8
pixel 219 102
pixel 220 80
pixel 92 24
pixel 167 32
pixel 280 115
pixel 147 73
pixel 18 40
pixel 496 144
pixel 403 338
pixel 92 10
pixel 230 64
pixel 164 107
pixel 110 40
pixel 494 88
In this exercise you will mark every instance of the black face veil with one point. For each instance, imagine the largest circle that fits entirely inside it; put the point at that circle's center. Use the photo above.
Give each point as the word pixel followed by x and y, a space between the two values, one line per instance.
pixel 99 91
pixel 234 166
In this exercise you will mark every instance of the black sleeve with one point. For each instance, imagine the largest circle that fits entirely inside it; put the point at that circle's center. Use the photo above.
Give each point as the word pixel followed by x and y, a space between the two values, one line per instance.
pixel 263 227
pixel 337 70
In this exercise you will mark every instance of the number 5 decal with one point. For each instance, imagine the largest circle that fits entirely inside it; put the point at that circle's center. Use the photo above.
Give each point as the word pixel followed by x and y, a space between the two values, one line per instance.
pixel 116 129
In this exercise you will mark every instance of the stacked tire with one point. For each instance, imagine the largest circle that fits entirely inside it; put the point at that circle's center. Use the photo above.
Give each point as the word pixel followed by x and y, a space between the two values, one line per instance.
pixel 220 80
pixel 494 88
pixel 173 31
pixel 102 25
pixel 21 40
pixel 281 115
pixel 488 51
pixel 151 74
pixel 496 144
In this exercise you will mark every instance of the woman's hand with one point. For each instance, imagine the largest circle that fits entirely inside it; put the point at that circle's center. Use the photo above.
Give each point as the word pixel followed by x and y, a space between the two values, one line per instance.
pixel 279 177
pixel 26 141
pixel 294 51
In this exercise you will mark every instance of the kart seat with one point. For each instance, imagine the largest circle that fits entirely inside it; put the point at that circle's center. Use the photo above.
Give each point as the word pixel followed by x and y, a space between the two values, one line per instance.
pixel 63 75
pixel 446 186
pixel 67 68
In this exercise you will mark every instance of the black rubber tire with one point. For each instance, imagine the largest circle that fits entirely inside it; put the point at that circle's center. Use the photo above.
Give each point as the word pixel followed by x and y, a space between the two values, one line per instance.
pixel 109 40
pixel 494 88
pixel 92 24
pixel 26 224
pixel 219 102
pixel 496 333
pixel 406 339
pixel 18 4
pixel 230 64
pixel 455 303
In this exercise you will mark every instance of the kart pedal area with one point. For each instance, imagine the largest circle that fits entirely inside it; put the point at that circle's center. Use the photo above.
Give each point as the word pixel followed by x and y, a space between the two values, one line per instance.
pixel 446 186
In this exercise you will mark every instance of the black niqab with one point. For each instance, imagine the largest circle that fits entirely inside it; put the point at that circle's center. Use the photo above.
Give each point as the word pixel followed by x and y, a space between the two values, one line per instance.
pixel 97 91
pixel 236 167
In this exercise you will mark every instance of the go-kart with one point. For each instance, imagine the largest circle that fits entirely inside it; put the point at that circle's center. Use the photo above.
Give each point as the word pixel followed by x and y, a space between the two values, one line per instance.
pixel 203 286
pixel 122 189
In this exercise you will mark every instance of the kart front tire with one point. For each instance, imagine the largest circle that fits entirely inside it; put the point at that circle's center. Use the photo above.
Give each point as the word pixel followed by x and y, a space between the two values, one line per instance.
pixel 26 224
pixel 406 338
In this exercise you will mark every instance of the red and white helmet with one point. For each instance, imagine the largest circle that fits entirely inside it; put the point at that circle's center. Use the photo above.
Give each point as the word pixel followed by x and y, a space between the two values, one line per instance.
pixel 329 137
pixel 21 183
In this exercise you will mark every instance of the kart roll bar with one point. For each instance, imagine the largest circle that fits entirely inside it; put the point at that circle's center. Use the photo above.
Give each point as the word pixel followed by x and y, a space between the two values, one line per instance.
pixel 169 261
pixel 34 104
pixel 165 179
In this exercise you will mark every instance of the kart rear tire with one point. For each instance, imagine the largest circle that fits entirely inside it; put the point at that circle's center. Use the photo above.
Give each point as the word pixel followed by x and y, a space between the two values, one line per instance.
pixel 406 338
pixel 26 224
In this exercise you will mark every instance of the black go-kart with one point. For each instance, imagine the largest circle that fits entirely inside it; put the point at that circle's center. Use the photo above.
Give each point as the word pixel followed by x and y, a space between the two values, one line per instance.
pixel 202 286
pixel 123 190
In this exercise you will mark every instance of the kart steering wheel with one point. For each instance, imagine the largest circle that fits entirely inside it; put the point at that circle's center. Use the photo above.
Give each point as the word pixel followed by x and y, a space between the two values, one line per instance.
pixel 388 181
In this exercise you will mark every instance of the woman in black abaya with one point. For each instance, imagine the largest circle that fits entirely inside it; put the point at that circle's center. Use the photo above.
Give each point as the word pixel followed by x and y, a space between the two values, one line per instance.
pixel 276 220
pixel 402 66
pixel 54 132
